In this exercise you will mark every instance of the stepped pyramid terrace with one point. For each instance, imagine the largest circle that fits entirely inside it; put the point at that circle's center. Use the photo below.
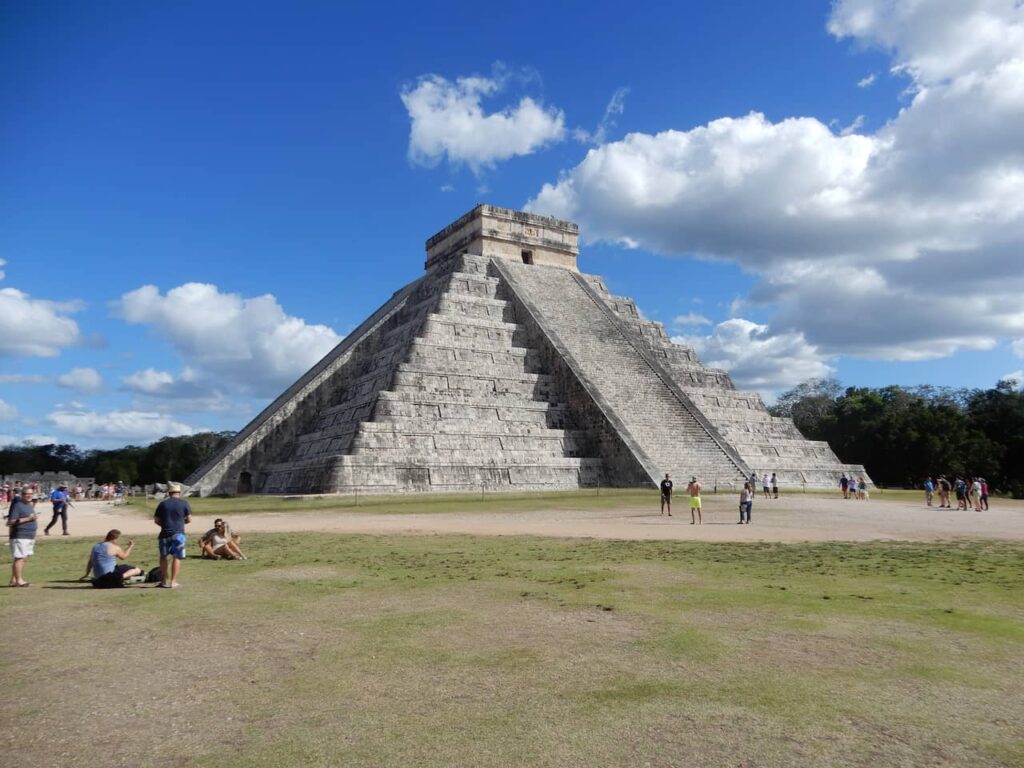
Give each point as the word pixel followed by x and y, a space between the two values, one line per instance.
pixel 503 366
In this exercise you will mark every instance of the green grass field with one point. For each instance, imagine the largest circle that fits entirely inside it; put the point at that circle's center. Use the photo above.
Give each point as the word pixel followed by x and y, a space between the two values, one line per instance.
pixel 330 650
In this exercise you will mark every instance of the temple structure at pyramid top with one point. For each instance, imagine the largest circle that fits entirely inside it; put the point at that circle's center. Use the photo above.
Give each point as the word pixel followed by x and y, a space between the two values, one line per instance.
pixel 507 234
pixel 504 367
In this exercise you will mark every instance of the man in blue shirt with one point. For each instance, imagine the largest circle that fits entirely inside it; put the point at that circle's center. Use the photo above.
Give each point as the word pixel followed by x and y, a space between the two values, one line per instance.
pixel 172 515
pixel 60 500
pixel 21 520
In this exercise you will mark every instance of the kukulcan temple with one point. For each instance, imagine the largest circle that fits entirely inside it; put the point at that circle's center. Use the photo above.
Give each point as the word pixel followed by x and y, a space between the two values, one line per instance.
pixel 504 366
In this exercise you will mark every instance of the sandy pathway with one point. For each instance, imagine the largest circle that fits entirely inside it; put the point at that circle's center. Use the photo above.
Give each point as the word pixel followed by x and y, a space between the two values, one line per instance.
pixel 796 518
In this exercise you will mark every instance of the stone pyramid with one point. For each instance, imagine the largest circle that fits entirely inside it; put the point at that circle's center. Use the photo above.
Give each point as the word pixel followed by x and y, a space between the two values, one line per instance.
pixel 504 367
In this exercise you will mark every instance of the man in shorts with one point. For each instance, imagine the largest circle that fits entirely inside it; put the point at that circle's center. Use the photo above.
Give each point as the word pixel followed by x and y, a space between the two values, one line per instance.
pixel 172 515
pixel 666 494
pixel 103 565
pixel 694 490
pixel 21 520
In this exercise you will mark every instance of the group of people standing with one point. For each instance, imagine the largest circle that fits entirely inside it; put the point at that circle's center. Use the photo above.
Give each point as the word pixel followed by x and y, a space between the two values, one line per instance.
pixel 971 492
pixel 107 566
pixel 854 488
pixel 693 490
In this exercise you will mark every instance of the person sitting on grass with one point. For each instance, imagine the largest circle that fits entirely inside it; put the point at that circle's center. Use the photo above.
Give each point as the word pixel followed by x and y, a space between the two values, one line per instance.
pixel 221 543
pixel 106 573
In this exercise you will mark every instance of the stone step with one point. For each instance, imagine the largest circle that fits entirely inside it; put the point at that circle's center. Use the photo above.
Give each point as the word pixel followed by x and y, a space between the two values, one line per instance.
pixel 473 285
pixel 358 472
pixel 447 434
pixel 468 396
pixel 427 455
pixel 496 444
pixel 431 406
pixel 459 352
pixel 412 426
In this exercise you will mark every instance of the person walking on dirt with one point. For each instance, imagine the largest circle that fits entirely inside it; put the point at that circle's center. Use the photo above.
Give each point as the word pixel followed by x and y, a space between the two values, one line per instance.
pixel 60 501
pixel 694 490
pixel 666 494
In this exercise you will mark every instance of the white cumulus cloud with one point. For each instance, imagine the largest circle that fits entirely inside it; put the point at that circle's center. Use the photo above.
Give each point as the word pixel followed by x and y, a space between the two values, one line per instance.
pixel 31 327
pixel 903 243
pixel 690 318
pixel 247 345
pixel 22 378
pixel 757 359
pixel 85 380
pixel 7 411
pixel 449 120
pixel 131 426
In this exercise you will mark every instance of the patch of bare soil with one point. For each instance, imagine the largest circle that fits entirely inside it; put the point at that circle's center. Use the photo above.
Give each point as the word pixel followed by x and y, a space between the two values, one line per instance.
pixel 793 518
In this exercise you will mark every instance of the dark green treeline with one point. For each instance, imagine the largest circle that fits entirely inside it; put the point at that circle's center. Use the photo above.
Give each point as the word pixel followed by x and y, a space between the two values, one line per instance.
pixel 904 434
pixel 172 458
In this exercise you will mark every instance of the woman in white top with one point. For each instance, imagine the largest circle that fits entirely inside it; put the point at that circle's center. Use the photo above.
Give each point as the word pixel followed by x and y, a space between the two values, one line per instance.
pixel 746 502
pixel 221 543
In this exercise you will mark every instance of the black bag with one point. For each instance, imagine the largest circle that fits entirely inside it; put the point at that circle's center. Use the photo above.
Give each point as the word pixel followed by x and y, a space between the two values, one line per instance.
pixel 153 576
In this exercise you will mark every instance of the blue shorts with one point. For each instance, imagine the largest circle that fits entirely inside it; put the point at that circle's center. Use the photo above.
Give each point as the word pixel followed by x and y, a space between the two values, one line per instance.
pixel 173 546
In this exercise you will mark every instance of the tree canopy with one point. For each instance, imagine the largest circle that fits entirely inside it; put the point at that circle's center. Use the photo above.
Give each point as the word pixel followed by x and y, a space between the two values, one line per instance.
pixel 170 458
pixel 904 434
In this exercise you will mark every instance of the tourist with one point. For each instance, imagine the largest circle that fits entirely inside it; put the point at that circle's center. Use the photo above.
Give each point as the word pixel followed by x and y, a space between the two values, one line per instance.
pixel 844 485
pixel 862 489
pixel 775 485
pixel 172 515
pixel 944 492
pixel 60 501
pixel 694 490
pixel 21 520
pixel 853 488
pixel 746 502
pixel 975 494
pixel 929 490
pixel 984 494
pixel 960 489
pixel 221 543
pixel 106 573
pixel 765 486
pixel 666 494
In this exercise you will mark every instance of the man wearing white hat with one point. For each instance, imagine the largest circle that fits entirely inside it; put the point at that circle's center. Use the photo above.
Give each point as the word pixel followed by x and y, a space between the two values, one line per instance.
pixel 172 515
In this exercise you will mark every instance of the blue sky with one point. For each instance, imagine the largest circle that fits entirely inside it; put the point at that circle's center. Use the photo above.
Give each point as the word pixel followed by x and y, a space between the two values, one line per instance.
pixel 198 199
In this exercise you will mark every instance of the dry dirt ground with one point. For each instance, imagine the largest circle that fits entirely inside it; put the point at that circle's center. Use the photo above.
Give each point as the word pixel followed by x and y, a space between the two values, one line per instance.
pixel 795 518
